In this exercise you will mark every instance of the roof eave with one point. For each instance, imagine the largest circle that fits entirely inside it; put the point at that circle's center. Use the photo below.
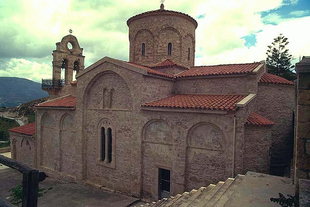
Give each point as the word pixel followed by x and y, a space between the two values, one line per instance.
pixel 184 110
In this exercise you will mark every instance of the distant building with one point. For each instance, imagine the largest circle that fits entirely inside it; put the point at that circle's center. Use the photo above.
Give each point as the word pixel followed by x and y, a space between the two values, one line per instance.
pixel 158 124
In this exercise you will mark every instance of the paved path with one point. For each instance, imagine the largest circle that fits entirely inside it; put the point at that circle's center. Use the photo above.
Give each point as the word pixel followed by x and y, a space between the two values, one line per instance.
pixel 65 194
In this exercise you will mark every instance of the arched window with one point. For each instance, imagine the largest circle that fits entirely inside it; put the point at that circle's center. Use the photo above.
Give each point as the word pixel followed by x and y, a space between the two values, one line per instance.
pixel 64 67
pixel 106 145
pixel 169 48
pixel 143 49
pixel 189 54
pixel 76 65
pixel 102 144
pixel 109 145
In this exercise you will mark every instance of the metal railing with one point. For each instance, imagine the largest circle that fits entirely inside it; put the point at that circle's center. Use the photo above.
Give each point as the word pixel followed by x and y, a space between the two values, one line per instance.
pixel 52 84
pixel 31 179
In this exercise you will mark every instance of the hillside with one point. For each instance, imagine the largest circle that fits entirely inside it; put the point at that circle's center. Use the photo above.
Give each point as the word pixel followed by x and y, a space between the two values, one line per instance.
pixel 14 91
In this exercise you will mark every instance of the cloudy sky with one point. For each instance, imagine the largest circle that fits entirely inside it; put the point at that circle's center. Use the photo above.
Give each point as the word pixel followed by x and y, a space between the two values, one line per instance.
pixel 229 31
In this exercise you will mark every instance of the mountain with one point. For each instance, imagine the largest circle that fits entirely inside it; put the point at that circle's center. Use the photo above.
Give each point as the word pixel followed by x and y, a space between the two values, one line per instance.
pixel 15 91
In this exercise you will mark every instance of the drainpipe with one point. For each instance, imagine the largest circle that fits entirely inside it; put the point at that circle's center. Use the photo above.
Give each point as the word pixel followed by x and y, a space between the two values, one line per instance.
pixel 234 148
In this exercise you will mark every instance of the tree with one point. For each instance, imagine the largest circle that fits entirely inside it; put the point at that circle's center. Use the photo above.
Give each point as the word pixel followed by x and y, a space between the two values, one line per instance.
pixel 279 60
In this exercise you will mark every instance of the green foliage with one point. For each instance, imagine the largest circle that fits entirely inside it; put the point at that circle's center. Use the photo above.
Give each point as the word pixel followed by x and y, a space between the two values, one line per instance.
pixel 279 60
pixel 16 194
pixel 5 125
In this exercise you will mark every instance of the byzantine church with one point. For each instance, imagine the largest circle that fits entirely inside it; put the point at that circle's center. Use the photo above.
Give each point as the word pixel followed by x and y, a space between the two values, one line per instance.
pixel 157 125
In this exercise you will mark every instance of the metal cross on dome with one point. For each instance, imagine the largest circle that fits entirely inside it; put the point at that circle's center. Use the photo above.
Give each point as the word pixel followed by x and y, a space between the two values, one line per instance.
pixel 70 31
pixel 162 1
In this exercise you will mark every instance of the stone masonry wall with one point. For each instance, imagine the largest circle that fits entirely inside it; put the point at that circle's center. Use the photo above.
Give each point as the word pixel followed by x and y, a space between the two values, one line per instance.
pixel 257 145
pixel 23 148
pixel 276 102
pixel 59 149
pixel 217 85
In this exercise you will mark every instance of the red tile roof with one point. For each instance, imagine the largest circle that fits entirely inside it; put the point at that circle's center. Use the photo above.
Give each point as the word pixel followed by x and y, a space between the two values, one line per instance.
pixel 228 69
pixel 28 129
pixel 274 79
pixel 258 120
pixel 209 102
pixel 151 71
pixel 63 102
pixel 166 64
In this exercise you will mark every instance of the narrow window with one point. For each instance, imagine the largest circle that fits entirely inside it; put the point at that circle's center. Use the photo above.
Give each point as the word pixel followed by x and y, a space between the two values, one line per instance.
pixel 102 144
pixel 169 48
pixel 143 49
pixel 188 54
pixel 109 145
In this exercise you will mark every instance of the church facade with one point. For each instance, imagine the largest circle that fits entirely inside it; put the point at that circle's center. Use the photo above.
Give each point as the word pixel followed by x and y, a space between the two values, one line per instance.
pixel 157 125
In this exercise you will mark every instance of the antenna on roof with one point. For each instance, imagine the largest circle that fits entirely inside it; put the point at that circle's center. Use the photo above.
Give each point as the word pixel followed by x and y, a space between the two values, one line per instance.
pixel 162 6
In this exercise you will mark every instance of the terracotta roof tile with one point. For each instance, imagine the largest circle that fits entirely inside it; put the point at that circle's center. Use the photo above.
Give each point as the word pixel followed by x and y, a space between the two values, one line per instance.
pixel 63 102
pixel 151 71
pixel 191 101
pixel 28 129
pixel 258 120
pixel 166 64
pixel 274 79
pixel 228 69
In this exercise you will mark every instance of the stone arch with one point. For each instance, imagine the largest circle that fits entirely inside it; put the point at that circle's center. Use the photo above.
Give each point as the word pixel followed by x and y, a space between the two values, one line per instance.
pixel 68 145
pixel 170 35
pixel 157 150
pixel 66 122
pixel 48 139
pixel 206 135
pixel 205 155
pixel 157 130
pixel 144 36
pixel 107 90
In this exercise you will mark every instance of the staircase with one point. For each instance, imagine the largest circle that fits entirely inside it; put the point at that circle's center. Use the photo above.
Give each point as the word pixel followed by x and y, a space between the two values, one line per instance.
pixel 252 189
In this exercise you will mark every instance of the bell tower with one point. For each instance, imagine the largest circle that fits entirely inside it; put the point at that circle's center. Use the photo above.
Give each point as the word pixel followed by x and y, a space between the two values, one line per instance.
pixel 68 60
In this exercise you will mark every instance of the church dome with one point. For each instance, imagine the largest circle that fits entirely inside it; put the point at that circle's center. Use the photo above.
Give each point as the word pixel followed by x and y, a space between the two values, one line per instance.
pixel 162 34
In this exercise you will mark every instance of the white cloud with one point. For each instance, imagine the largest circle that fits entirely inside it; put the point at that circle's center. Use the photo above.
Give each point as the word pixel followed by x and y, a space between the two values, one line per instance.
pixel 23 68
pixel 293 29
pixel 34 26
pixel 299 13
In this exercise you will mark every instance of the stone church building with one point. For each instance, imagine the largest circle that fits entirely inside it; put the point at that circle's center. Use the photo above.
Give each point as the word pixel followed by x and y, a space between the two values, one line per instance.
pixel 157 125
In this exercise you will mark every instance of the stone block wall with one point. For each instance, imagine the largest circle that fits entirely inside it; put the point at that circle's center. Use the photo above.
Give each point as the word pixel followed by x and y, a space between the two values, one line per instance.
pixel 242 85
pixel 23 148
pixel 257 149
pixel 276 102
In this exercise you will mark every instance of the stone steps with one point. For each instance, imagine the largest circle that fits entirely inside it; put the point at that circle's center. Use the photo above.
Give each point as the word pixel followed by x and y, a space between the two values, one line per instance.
pixel 229 191
pixel 252 189
pixel 220 192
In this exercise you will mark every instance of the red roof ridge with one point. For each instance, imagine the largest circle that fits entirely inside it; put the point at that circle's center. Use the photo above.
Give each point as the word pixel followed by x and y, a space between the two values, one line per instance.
pixel 224 69
pixel 67 101
pixel 150 70
pixel 274 79
pixel 27 129
pixel 258 120
pixel 198 101
pixel 167 63
pixel 226 64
